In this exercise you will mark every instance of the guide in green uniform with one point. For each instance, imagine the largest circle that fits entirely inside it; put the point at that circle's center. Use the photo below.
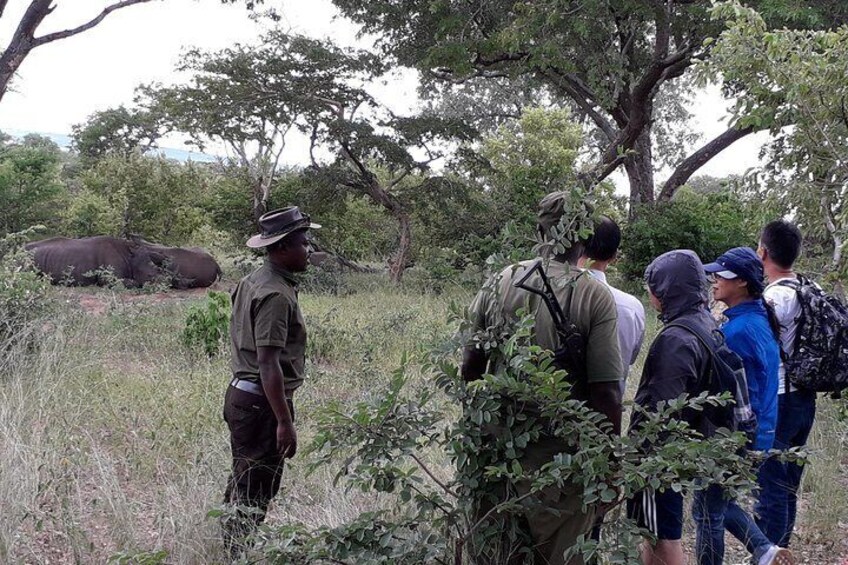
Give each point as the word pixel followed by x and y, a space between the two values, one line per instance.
pixel 268 342
pixel 557 519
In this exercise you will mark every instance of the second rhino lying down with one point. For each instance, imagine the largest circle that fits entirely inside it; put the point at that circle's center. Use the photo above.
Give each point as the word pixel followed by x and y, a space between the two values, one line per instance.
pixel 135 262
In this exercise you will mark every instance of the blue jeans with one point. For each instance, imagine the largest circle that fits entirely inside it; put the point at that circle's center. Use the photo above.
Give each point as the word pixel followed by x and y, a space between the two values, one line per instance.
pixel 709 509
pixel 739 523
pixel 713 514
pixel 777 504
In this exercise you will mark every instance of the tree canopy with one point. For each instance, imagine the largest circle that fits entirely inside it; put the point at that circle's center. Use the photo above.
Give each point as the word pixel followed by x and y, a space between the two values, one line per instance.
pixel 612 59
pixel 794 78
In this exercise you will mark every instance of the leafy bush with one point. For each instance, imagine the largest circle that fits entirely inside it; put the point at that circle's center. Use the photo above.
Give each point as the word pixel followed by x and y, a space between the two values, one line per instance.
pixel 23 292
pixel 149 196
pixel 708 224
pixel 30 190
pixel 207 325
pixel 90 214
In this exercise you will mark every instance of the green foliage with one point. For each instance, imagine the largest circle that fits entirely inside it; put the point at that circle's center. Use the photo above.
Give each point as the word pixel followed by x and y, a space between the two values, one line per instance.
pixel 793 77
pixel 708 224
pixel 445 267
pixel 207 325
pixel 23 292
pixel 116 131
pixel 530 158
pixel 148 196
pixel 90 213
pixel 30 190
pixel 624 64
pixel 229 202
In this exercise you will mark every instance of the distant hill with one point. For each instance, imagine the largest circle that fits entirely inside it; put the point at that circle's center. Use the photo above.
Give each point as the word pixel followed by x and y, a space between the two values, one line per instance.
pixel 64 142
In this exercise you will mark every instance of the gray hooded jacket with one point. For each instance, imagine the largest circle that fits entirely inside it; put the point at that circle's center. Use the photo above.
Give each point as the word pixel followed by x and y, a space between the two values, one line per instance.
pixel 677 362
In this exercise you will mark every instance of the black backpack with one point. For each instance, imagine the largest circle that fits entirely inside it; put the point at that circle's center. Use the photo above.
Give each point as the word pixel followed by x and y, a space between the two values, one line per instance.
pixel 819 359
pixel 727 375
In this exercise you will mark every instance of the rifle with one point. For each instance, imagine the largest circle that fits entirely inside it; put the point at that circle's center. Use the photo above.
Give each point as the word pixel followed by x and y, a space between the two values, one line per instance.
pixel 570 353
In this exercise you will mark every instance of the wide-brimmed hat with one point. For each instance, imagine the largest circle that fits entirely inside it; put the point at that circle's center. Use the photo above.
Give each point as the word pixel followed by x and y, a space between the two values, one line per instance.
pixel 740 262
pixel 277 224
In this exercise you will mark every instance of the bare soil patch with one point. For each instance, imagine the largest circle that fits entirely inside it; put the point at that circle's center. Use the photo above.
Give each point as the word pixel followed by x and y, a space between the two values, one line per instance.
pixel 98 301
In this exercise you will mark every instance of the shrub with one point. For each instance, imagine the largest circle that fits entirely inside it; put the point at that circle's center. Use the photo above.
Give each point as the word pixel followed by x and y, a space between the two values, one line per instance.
pixel 207 325
pixel 30 190
pixel 708 224
pixel 23 292
pixel 150 196
pixel 91 214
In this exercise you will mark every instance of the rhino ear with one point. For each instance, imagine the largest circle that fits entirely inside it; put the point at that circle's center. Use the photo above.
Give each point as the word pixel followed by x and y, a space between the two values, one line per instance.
pixel 158 259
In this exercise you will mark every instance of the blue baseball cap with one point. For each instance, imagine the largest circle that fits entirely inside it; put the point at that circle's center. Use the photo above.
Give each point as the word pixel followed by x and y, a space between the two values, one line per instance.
pixel 743 263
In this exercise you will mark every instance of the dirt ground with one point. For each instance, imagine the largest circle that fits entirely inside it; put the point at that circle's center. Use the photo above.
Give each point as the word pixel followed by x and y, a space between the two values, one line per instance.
pixel 97 302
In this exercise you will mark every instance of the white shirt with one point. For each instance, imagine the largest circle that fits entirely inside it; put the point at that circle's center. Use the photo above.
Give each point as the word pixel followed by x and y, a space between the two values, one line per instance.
pixel 631 322
pixel 788 310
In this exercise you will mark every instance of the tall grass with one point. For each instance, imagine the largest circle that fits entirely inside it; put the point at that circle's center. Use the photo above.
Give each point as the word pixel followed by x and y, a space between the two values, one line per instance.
pixel 111 437
pixel 112 442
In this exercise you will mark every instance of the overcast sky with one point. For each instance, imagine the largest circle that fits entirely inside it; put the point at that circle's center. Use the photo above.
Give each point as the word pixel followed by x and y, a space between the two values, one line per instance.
pixel 62 83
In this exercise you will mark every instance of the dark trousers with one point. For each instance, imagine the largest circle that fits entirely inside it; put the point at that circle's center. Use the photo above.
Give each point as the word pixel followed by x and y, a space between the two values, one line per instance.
pixel 257 465
pixel 708 510
pixel 778 501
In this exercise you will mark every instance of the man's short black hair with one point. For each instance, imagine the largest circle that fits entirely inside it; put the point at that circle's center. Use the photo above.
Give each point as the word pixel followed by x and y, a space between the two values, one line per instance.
pixel 603 244
pixel 782 240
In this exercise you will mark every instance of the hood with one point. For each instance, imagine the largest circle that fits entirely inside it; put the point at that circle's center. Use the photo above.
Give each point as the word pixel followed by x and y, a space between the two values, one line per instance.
pixel 678 279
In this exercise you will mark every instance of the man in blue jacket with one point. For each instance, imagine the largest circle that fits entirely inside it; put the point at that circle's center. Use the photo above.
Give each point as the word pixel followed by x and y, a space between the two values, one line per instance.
pixel 752 332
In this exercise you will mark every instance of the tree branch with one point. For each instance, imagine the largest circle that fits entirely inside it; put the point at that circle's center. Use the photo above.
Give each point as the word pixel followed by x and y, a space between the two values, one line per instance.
pixel 86 26
pixel 448 75
pixel 699 158
pixel 430 474
pixel 583 97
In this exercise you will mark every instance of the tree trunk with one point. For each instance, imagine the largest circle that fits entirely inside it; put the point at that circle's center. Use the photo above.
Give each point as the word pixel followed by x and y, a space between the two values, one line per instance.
pixel 259 208
pixel 260 204
pixel 640 172
pixel 400 258
pixel 832 229
pixel 836 258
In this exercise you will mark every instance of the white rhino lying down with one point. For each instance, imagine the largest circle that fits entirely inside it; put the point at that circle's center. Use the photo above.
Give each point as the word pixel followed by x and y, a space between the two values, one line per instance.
pixel 83 262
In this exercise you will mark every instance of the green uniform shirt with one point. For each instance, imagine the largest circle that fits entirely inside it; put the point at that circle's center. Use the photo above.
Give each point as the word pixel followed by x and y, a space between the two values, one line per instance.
pixel 592 310
pixel 266 313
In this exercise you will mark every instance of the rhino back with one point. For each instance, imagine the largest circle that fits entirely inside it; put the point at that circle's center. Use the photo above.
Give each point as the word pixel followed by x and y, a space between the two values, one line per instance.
pixel 69 260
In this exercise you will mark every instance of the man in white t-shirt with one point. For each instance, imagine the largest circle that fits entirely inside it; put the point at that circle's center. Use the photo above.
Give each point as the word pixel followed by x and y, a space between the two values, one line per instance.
pixel 599 252
pixel 780 245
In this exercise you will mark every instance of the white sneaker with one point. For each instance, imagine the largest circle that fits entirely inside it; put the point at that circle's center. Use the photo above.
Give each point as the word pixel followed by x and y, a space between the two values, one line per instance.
pixel 781 556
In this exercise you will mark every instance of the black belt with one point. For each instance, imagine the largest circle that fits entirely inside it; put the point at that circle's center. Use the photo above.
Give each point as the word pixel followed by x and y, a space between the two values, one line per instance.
pixel 247 386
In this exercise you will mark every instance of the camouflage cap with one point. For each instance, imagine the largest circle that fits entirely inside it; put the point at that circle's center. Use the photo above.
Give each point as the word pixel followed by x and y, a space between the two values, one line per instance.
pixel 557 204
pixel 551 209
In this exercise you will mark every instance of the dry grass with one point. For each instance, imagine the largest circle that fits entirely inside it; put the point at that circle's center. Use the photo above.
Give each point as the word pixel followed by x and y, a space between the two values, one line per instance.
pixel 112 443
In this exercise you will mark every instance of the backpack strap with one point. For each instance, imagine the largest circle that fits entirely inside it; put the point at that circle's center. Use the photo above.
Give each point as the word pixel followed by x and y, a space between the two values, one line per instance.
pixel 795 284
pixel 706 340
